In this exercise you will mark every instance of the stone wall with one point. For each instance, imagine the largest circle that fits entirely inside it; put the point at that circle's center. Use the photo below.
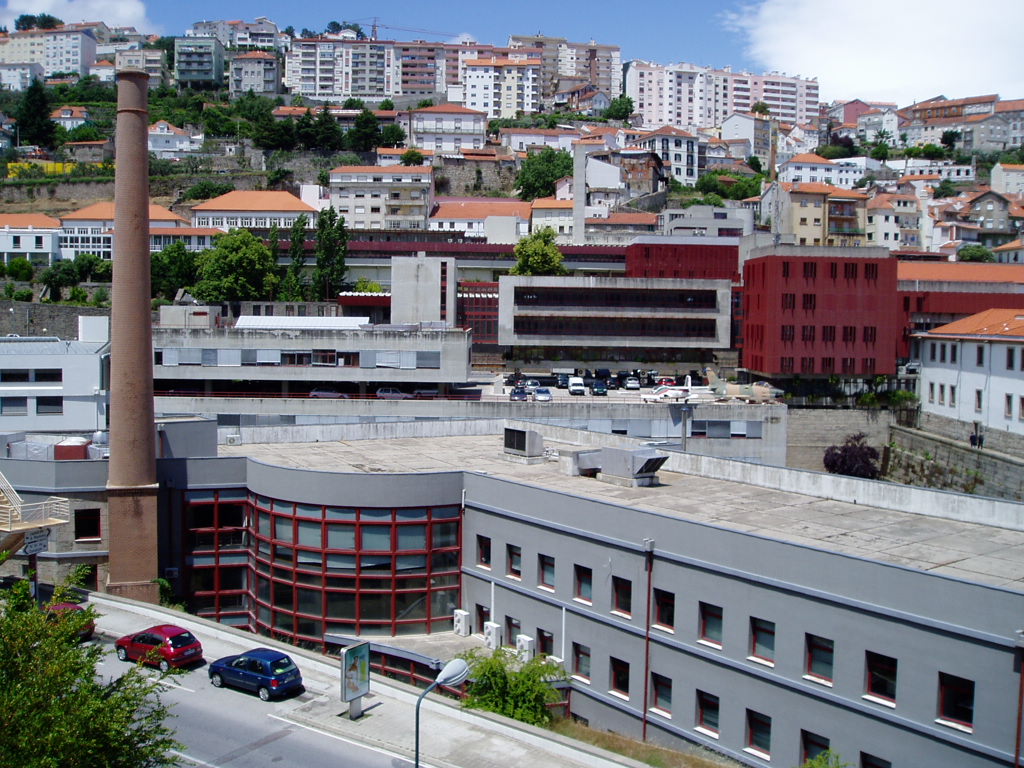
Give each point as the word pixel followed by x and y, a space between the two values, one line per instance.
pixel 30 319
pixel 932 461
pixel 995 440
pixel 462 178
pixel 812 430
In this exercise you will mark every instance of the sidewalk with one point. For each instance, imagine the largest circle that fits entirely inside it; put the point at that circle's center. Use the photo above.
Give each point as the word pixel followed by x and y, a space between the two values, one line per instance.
pixel 450 737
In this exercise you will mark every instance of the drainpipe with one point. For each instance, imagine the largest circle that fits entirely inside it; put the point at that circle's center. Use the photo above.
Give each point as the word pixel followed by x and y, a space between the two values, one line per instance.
pixel 649 567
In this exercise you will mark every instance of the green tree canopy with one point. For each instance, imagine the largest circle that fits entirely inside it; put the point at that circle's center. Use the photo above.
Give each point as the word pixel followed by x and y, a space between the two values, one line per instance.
pixel 206 189
pixel 537 254
pixel 20 269
pixel 239 267
pixel 365 133
pixel 61 275
pixel 424 103
pixel 729 185
pixel 28 21
pixel 292 287
pixel 57 710
pixel 328 134
pixel 86 265
pixel 504 684
pixel 170 269
pixel 386 106
pixel 620 108
pixel 353 103
pixel 975 252
pixel 944 188
pixel 949 139
pixel 932 152
pixel 331 251
pixel 33 115
pixel 760 108
pixel 411 157
pixel 540 171
pixel 392 135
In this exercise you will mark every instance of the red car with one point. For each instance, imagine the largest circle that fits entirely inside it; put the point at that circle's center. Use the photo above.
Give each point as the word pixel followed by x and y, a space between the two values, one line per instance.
pixel 164 645
pixel 58 610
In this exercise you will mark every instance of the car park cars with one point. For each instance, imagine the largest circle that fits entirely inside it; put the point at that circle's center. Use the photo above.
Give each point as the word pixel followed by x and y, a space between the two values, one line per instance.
pixel 518 394
pixel 266 672
pixel 392 393
pixel 164 645
pixel 330 394
pixel 531 385
pixel 576 386
pixel 598 388
pixel 562 381
pixel 632 382
pixel 542 395
pixel 612 383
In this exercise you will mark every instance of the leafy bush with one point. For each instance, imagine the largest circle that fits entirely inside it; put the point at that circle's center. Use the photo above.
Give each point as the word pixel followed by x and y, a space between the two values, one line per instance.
pixel 901 398
pixel 23 294
pixel 206 189
pixel 854 458
pixel 100 297
pixel 20 269
pixel 505 684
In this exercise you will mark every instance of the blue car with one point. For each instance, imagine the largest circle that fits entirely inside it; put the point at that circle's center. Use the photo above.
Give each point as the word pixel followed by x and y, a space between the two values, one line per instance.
pixel 267 672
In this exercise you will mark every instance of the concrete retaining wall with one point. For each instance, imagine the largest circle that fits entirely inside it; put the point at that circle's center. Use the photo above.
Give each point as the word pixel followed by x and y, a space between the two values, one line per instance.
pixel 812 430
pixel 953 429
pixel 323 433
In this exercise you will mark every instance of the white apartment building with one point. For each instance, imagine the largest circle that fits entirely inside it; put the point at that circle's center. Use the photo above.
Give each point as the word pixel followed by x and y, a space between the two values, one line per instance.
pixel 372 197
pixel 69 51
pixel 447 128
pixel 170 142
pixel 502 87
pixel 811 167
pixel 1008 179
pixel 556 214
pixel 91 229
pixel 339 68
pixel 483 218
pixel 18 77
pixel 152 61
pixel 683 155
pixel 563 61
pixel 256 71
pixel 258 210
pixel 971 370
pixel 689 95
pixel 27 47
pixel 32 236
pixel 261 33
pixel 943 169
pixel 524 139
pixel 752 128
pixel 870 123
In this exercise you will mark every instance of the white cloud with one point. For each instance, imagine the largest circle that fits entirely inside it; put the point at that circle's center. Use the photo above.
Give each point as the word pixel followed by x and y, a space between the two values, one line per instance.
pixel 889 50
pixel 112 12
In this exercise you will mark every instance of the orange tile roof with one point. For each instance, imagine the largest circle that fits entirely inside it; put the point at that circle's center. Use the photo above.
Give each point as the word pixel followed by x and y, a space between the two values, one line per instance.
pixel 551 203
pixel 960 272
pixel 807 187
pixel 256 55
pixel 448 109
pixel 270 200
pixel 23 220
pixel 480 209
pixel 919 177
pixel 96 143
pixel 1013 245
pixel 1011 167
pixel 81 112
pixel 185 231
pixel 104 211
pixel 810 157
pixel 541 131
pixel 1010 105
pixel 154 128
pixel 991 322
pixel 399 151
pixel 382 169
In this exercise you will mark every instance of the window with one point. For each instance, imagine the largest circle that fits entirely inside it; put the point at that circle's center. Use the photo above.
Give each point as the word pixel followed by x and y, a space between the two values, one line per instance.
pixel 952 352
pixel 870 271
pixel 513 627
pixel 785 269
pixel 812 745
pixel 664 609
pixel 483 551
pixel 979 357
pixel 870 761
pixel 881 677
pixel 850 271
pixel 789 301
pixel 581 661
pixel 956 701
pixel 942 394
pixel 952 395
pixel 809 301
pixel 622 595
pixel 807 333
pixel 13 406
pixel 942 352
pixel 514 561
pixel 931 391
pixel 759 734
pixel 661 693
pixel 788 332
pixel 546 571
pixel 762 640
pixel 618 676
pixel 711 624
pixel 849 334
pixel 828 333
pixel 49 405
pixel 483 615
pixel 583 579
pixel 810 270
pixel 870 333
pixel 1010 354
pixel 819 658
pixel 87 525
pixel 545 642
pixel 707 713
pixel 978 399
pixel 1008 410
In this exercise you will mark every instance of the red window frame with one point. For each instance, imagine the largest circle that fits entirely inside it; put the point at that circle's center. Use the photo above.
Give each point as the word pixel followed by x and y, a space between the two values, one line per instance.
pixel 759 732
pixel 514 561
pixel 483 551
pixel 661 693
pixel 812 745
pixel 710 614
pixel 513 627
pixel 544 564
pixel 583 584
pixel 545 642
pixel 664 608
pixel 581 661
pixel 817 649
pixel 622 595
pixel 707 711
pixel 956 699
pixel 762 639
pixel 880 675
pixel 618 676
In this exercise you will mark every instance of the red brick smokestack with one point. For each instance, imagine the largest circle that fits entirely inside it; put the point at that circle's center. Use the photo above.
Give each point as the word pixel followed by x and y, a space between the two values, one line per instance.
pixel 131 483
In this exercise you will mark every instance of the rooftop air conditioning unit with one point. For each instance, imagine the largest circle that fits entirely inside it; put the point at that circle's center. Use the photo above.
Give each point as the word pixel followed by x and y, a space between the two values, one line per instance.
pixel 233 439
pixel 492 635
pixel 524 647
pixel 460 622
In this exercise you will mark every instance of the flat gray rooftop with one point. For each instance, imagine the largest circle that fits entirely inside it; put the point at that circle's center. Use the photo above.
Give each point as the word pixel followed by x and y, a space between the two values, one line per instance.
pixel 969 551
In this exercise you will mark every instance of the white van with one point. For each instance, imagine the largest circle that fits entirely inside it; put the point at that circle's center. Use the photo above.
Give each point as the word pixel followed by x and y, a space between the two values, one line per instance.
pixel 576 386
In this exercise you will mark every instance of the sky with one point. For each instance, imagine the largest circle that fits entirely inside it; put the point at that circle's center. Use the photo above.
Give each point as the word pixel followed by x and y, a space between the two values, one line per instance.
pixel 885 50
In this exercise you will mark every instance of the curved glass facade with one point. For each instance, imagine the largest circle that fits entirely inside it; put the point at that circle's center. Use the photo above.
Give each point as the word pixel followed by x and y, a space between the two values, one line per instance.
pixel 300 570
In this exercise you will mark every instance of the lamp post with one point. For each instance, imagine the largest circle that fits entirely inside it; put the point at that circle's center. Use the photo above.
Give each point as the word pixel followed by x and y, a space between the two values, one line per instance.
pixel 453 673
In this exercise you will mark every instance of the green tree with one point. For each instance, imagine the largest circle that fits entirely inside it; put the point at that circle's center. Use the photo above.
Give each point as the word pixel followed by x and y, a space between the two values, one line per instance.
pixel 331 251
pixel 411 157
pixel 104 272
pixel 20 269
pixel 273 134
pixel 323 177
pixel 537 254
pixel 424 103
pixel 57 710
pixel 28 21
pixel 170 269
pixel 944 188
pixel 880 151
pixel 540 171
pixel 365 134
pixel 760 108
pixel 392 135
pixel 620 108
pixel 33 116
pixel 292 288
pixel 949 139
pixel 366 285
pixel 353 103
pixel 854 458
pixel 504 684
pixel 206 189
pixel 85 132
pixel 755 164
pixel 975 253
pixel 238 268
pixel 86 265
pixel 305 130
pixel 932 152
pixel 386 106
pixel 328 134
pixel 61 275
pixel 348 158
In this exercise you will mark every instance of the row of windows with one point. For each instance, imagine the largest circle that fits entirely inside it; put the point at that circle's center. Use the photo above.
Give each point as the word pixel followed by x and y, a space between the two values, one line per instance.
pixel 847 365
pixel 955 698
pixel 868 335
pixel 979 399
pixel 850 269
pixel 1014 356
pixel 44 406
pixel 367 358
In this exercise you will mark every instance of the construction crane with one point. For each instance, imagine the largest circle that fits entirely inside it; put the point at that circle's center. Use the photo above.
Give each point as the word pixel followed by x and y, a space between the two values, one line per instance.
pixel 376 24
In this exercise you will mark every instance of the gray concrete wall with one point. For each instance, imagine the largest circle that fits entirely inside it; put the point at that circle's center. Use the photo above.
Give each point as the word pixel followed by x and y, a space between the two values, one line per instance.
pixel 953 429
pixel 812 431
pixel 30 319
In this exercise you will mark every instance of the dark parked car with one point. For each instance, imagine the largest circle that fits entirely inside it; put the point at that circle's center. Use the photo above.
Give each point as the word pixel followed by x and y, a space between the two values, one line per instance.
pixel 164 645
pixel 519 393
pixel 599 388
pixel 266 672
pixel 612 383
pixel 562 381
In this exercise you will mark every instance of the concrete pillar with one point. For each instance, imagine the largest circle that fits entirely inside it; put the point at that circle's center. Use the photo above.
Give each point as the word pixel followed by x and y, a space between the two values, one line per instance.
pixel 131 482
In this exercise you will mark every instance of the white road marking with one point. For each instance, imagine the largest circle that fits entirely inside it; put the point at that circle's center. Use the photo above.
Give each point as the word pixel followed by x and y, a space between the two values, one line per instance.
pixel 353 742
pixel 193 760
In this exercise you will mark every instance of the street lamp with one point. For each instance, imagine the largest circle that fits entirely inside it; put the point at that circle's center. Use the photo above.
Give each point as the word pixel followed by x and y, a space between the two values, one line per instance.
pixel 453 673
